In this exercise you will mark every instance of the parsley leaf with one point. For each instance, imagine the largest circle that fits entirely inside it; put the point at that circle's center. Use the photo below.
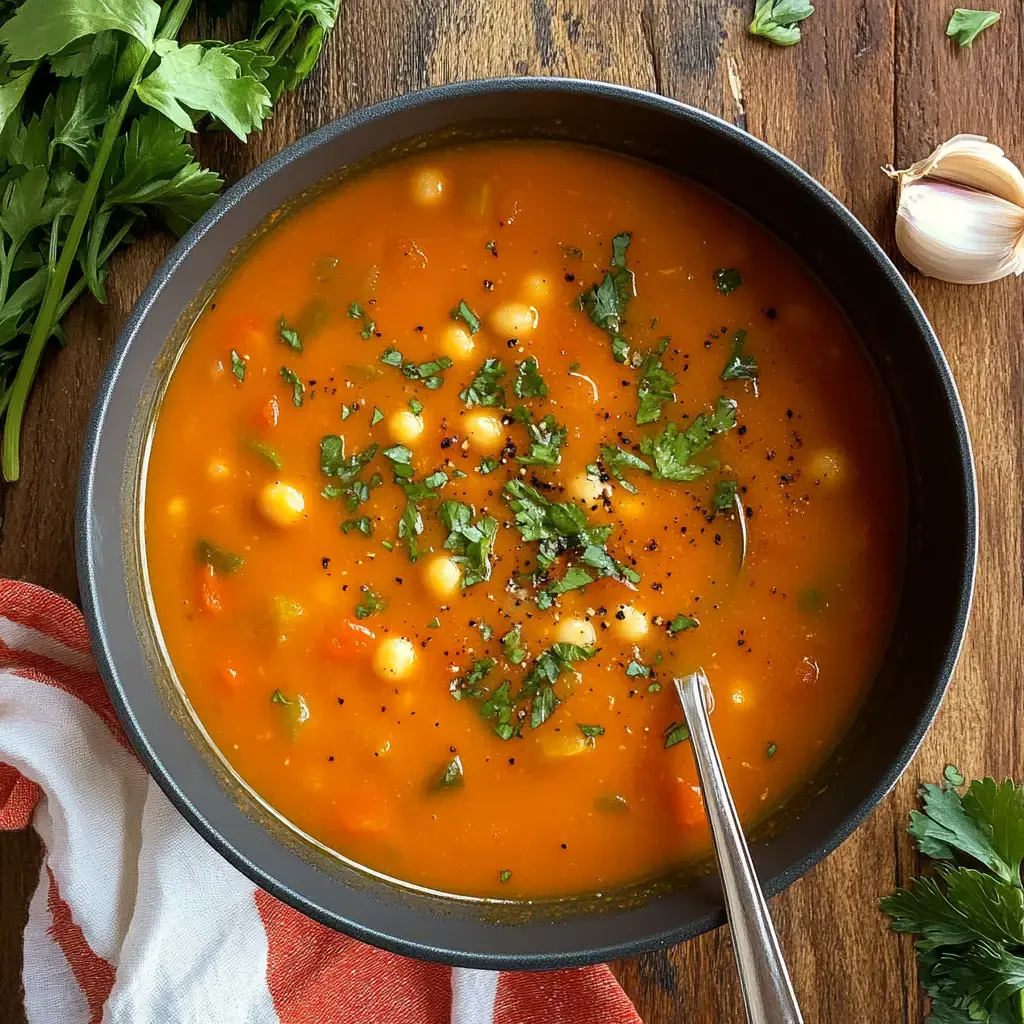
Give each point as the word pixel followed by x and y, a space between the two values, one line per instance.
pixel 371 603
pixel 356 312
pixel 677 732
pixel 347 469
pixel 486 388
pixel 591 732
pixel 740 366
pixel 220 561
pixel 655 386
pixel 410 526
pixel 727 281
pixel 364 524
pixel 504 875
pixel 725 496
pixel 681 622
pixel 966 25
pixel 471 684
pixel 471 542
pixel 538 686
pixel 464 313
pixel 288 335
pixel 237 365
pixel 452 775
pixel 264 451
pixel 617 461
pixel 546 439
pixel 606 303
pixel 777 20
pixel 513 647
pixel 429 372
pixel 529 383
pixel 673 449
pixel 501 708
pixel 298 388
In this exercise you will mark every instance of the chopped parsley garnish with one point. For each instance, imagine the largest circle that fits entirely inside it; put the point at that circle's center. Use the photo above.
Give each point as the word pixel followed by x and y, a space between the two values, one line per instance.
pixel 289 336
pixel 356 312
pixel 637 669
pixel 434 623
pixel 673 449
pixel 965 25
pixel 429 372
pixel 681 622
pixel 364 525
pixel 295 709
pixel 529 383
pixel 347 410
pixel 500 707
pixel 575 578
pixel 237 365
pixel 969 913
pixel 416 406
pixel 606 303
pixel 654 688
pixel 655 386
pixel 591 732
pixel 485 631
pixel 777 20
pixel 371 603
pixel 400 458
pixel 410 526
pixel 953 775
pixel 491 247
pixel 376 417
pixel 538 687
pixel 464 313
pixel 219 560
pixel 470 543
pixel 471 684
pixel 504 876
pixel 298 388
pixel 488 465
pixel 725 496
pixel 727 281
pixel 771 748
pixel 263 450
pixel 617 461
pixel 513 647
pixel 740 365
pixel 486 388
pixel 334 463
pixel 546 439
pixel 677 732
pixel 452 775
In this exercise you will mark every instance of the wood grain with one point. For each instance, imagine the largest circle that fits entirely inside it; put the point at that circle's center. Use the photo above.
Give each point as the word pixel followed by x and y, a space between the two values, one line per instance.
pixel 873 81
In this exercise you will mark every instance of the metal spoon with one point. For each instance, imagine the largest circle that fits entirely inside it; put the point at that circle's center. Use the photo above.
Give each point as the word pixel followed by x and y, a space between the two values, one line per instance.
pixel 767 991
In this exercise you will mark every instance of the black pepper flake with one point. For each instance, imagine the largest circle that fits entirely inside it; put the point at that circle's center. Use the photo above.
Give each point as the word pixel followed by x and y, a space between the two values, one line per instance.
pixel 446 442
pixel 341 700
pixel 330 757
pixel 564 846
pixel 511 343
pixel 570 278
pixel 770 313
pixel 789 414
pixel 742 429
pixel 488 286
pixel 325 562
pixel 511 760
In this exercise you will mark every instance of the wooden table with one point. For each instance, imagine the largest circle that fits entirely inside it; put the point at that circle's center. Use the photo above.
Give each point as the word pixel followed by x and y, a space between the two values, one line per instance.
pixel 873 82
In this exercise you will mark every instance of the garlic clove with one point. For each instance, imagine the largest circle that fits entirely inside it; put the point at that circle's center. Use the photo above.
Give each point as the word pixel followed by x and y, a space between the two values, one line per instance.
pixel 969 160
pixel 959 234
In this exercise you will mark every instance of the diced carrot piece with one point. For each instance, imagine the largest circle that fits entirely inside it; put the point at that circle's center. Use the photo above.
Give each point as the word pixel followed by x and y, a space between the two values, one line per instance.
pixel 689 804
pixel 210 594
pixel 267 415
pixel 352 640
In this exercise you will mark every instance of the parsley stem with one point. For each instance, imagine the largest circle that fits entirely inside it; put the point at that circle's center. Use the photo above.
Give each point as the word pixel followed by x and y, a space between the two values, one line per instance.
pixel 46 321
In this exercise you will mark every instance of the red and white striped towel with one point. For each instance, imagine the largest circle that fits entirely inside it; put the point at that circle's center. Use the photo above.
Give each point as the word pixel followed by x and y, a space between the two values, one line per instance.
pixel 136 920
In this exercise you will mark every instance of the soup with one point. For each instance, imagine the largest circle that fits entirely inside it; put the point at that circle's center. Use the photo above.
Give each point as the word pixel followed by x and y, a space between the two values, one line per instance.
pixel 465 461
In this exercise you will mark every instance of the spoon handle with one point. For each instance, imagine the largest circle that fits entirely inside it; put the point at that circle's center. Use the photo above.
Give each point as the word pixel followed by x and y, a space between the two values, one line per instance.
pixel 767 991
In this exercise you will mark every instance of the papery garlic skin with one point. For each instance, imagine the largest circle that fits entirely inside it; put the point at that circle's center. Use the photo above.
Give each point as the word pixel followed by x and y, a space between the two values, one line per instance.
pixel 960 216
pixel 958 234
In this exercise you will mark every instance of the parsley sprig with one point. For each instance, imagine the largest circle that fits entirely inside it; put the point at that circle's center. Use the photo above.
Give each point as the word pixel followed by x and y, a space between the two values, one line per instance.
pixel 968 915
pixel 606 303
pixel 96 99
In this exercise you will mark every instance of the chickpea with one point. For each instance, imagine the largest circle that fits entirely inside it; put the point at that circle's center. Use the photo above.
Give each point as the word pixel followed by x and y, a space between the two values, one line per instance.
pixel 629 624
pixel 588 490
pixel 405 426
pixel 217 470
pixel 394 658
pixel 457 343
pixel 484 432
pixel 826 468
pixel 575 631
pixel 281 504
pixel 442 577
pixel 513 320
pixel 428 186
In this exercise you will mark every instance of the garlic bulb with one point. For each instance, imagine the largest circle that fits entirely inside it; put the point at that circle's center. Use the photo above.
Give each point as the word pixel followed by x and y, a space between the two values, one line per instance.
pixel 960 215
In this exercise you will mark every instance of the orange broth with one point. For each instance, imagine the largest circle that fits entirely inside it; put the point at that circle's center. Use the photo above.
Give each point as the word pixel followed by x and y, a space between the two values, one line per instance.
pixel 358 730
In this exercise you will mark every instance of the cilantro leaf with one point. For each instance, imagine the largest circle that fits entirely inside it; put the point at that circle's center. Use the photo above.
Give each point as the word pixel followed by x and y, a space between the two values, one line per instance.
pixel 681 622
pixel 677 732
pixel 371 603
pixel 42 27
pixel 513 647
pixel 207 80
pixel 777 20
pixel 725 496
pixel 237 365
pixel 727 281
pixel 740 366
pixel 471 542
pixel 364 524
pixel 452 775
pixel 486 389
pixel 590 732
pixel 529 383
pixel 429 372
pixel 347 469
pixel 216 558
pixel 298 388
pixel 538 686
pixel 655 386
pixel 264 450
pixel 673 449
pixel 617 461
pixel 606 303
pixel 471 684
pixel 356 312
pixel 410 526
pixel 966 25
pixel 501 708
pixel 289 336
pixel 467 316
pixel 546 439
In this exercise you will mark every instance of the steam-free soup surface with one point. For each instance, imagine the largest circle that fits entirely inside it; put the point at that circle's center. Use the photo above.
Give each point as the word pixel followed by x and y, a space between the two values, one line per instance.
pixel 451 480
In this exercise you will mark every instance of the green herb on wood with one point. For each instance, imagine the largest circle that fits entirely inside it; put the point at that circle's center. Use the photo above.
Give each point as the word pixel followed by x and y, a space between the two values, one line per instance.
pixel 966 25
pixel 778 20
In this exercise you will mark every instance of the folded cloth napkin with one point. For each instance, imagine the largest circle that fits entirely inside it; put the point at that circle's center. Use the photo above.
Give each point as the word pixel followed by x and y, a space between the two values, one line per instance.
pixel 137 921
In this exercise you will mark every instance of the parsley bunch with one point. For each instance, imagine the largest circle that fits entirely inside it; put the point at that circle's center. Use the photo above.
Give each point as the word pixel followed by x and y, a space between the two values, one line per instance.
pixel 96 98
pixel 969 915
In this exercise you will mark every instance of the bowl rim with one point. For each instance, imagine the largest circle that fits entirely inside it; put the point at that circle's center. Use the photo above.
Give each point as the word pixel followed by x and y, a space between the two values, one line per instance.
pixel 87 533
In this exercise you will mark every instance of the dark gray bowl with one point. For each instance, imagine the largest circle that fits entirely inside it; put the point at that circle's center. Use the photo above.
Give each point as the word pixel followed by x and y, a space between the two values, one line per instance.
pixel 940 553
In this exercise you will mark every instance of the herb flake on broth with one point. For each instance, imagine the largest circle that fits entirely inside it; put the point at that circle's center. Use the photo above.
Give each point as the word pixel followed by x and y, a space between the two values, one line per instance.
pixel 606 303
